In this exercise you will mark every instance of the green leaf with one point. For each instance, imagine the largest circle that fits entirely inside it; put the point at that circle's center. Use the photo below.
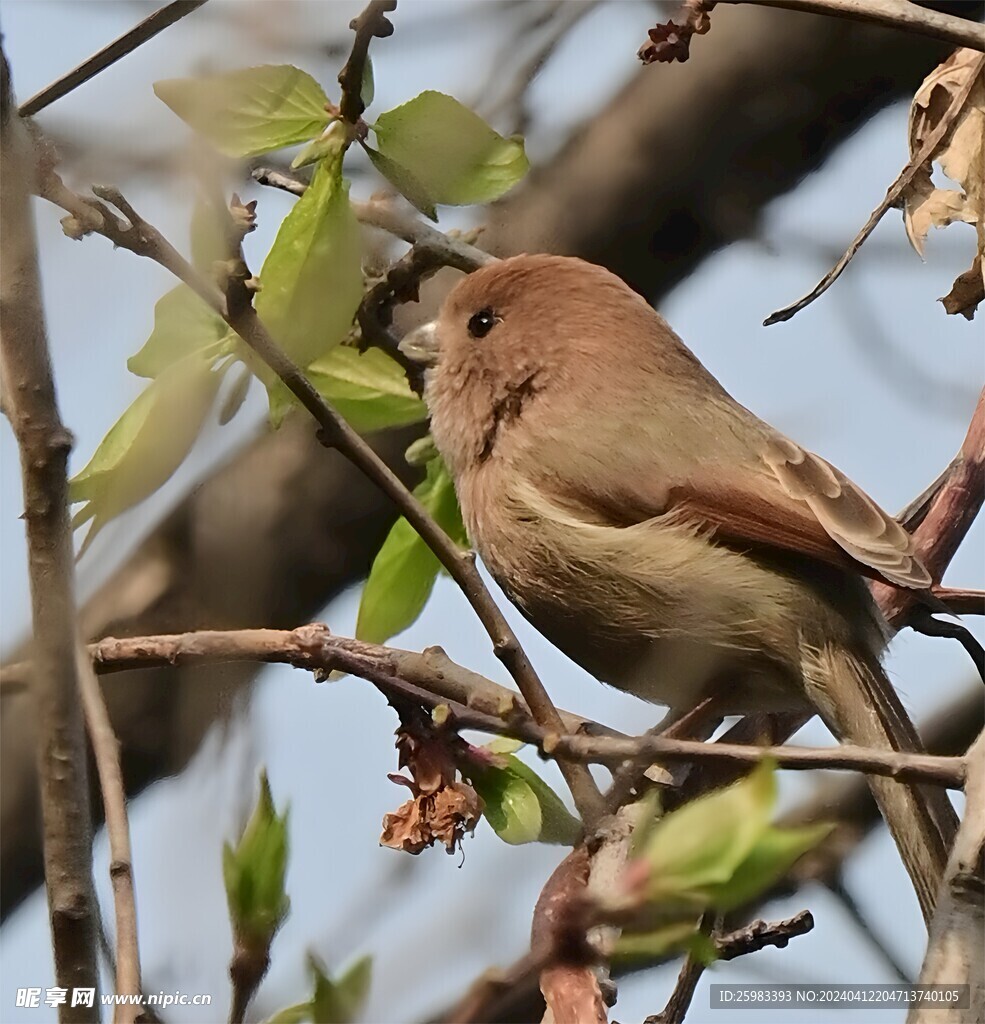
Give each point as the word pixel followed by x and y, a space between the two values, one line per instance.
pixel 368 389
pixel 368 88
pixel 312 278
pixel 236 397
pixel 521 807
pixel 404 570
pixel 251 111
pixel 296 1014
pixel 183 324
pixel 413 190
pixel 703 843
pixel 634 950
pixel 146 444
pixel 329 145
pixel 253 872
pixel 774 853
pixel 339 1002
pixel 435 150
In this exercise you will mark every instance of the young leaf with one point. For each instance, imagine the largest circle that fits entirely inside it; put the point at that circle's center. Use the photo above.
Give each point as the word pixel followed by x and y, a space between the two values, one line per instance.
pixel 369 389
pixel 146 444
pixel 439 151
pixel 339 1002
pixel 404 570
pixel 253 872
pixel 330 145
pixel 521 807
pixel 312 277
pixel 414 191
pixel 774 853
pixel 703 843
pixel 234 400
pixel 182 324
pixel 251 111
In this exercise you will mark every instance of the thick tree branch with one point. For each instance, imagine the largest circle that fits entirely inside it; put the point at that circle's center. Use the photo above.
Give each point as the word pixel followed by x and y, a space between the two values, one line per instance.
pixel 44 444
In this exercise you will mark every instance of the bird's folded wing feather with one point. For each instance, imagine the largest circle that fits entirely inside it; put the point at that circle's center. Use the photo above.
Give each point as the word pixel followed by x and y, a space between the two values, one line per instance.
pixel 794 500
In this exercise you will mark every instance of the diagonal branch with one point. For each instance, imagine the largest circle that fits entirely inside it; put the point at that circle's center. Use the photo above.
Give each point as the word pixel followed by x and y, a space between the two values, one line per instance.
pixel 109 54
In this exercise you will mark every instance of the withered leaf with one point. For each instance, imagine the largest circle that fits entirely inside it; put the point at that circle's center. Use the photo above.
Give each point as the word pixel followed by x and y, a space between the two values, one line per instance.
pixel 960 155
pixel 967 291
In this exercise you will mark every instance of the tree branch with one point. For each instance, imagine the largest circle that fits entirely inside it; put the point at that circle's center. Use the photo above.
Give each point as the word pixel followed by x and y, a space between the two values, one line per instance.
pixel 891 14
pixel 106 752
pixel 956 950
pixel 110 54
pixel 372 23
pixel 44 444
pixel 434 678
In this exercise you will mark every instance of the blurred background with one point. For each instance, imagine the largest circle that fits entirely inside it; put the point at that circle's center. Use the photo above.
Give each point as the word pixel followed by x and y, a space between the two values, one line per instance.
pixel 721 189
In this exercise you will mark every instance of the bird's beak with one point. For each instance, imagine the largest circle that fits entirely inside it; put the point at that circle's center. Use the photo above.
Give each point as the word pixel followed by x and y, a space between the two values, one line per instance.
pixel 421 345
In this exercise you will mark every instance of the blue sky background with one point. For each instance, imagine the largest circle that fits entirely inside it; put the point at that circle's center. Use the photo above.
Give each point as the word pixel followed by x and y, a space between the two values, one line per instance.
pixel 874 376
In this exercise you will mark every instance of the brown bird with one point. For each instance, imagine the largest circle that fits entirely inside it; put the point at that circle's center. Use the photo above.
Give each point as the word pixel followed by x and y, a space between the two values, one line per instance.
pixel 659 533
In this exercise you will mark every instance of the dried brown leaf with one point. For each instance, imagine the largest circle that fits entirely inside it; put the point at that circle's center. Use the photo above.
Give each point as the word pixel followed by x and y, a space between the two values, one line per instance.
pixel 967 291
pixel 960 154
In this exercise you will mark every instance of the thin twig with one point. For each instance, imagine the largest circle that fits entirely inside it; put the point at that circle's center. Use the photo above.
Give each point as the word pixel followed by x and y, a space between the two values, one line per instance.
pixel 144 239
pixel 110 54
pixel 761 934
pixel 680 998
pixel 388 217
pixel 371 23
pixel 941 771
pixel 892 196
pixel 892 14
pixel 44 444
pixel 436 679
pixel 106 753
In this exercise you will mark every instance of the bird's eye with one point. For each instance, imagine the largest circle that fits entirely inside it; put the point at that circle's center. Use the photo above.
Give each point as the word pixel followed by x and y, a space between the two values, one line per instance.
pixel 482 323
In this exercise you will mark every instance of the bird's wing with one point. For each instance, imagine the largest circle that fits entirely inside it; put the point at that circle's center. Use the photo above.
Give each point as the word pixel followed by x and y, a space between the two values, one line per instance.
pixel 792 500
pixel 846 513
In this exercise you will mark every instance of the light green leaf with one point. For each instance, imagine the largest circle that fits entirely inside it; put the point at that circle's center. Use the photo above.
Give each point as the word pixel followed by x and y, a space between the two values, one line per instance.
pixel 404 570
pixel 296 1014
pixel 521 807
pixel 413 190
pixel 339 1002
pixel 253 872
pixel 236 397
pixel 330 145
pixel 633 950
pixel 368 389
pixel 146 444
pixel 312 278
pixel 368 89
pixel 774 853
pixel 704 842
pixel 251 111
pixel 443 151
pixel 183 324
pixel 510 806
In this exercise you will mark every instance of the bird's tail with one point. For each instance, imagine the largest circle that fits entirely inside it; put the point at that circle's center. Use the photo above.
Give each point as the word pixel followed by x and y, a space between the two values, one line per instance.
pixel 859 705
